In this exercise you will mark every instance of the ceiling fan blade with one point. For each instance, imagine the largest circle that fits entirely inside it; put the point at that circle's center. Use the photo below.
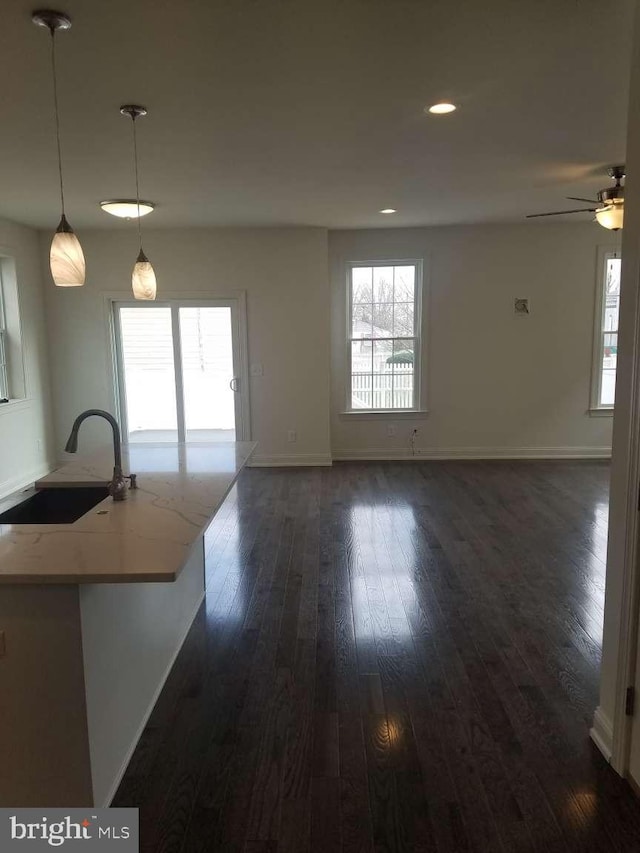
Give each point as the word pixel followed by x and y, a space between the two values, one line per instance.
pixel 562 212
pixel 576 198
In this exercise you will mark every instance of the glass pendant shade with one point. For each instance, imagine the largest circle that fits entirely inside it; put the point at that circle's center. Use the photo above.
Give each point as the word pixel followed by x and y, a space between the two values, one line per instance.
pixel 611 216
pixel 143 280
pixel 66 258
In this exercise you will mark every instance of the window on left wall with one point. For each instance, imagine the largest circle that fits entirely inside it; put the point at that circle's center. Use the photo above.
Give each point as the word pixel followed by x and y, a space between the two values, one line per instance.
pixel 4 373
pixel 12 373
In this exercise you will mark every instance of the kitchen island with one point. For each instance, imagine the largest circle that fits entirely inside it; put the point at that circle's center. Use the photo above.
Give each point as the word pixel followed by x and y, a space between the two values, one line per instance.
pixel 93 614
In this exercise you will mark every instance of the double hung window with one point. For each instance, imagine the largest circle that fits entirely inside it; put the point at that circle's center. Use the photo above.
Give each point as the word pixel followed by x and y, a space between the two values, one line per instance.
pixel 384 321
pixel 606 330
pixel 4 373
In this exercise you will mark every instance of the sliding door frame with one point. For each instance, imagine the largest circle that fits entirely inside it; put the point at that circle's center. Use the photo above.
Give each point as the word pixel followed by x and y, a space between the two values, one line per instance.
pixel 237 304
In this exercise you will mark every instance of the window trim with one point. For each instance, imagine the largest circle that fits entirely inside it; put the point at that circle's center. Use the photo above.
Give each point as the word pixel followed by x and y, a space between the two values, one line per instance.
pixel 419 393
pixel 604 253
pixel 4 373
pixel 4 378
pixel 18 385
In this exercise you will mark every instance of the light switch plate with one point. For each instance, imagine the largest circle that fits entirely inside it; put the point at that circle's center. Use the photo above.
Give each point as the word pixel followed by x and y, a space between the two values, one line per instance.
pixel 256 370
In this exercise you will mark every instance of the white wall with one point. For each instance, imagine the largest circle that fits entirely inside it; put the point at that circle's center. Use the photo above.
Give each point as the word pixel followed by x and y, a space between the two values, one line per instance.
pixel 621 602
pixel 497 384
pixel 284 273
pixel 26 444
pixel 43 720
pixel 144 625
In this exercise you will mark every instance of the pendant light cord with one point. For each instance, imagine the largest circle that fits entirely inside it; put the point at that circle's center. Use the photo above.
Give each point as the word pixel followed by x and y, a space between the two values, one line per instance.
pixel 135 158
pixel 55 107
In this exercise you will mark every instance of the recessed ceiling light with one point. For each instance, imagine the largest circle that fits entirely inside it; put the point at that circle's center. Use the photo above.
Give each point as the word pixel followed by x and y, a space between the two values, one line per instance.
pixel 127 208
pixel 389 210
pixel 442 108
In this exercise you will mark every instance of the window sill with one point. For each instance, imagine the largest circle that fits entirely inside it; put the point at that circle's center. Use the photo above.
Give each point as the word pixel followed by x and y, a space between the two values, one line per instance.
pixel 601 412
pixel 12 405
pixel 375 414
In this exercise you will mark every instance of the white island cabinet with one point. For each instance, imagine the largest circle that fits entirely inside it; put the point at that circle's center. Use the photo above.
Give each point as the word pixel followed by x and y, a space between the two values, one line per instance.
pixel 93 614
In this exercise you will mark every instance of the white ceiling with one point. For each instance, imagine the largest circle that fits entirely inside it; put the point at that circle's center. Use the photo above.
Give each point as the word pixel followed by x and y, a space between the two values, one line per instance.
pixel 310 112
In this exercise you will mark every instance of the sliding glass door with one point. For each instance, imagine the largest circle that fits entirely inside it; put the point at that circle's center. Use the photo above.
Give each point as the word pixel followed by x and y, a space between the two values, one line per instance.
pixel 181 375
pixel 148 399
pixel 208 375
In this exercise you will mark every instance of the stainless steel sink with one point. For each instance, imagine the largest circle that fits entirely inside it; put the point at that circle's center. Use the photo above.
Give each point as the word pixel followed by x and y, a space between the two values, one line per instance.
pixel 55 505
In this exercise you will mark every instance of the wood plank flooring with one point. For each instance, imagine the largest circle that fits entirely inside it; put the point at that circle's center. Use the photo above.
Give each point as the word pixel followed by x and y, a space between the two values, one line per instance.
pixel 391 657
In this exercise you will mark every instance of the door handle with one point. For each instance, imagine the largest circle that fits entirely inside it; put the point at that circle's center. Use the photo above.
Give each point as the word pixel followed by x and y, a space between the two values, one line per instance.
pixel 234 384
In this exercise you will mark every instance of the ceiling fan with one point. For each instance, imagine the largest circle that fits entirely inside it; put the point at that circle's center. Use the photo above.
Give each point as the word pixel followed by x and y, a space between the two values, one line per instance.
pixel 609 206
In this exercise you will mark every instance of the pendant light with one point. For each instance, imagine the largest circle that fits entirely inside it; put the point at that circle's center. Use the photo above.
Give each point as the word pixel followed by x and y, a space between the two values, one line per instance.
pixel 127 208
pixel 66 258
pixel 143 279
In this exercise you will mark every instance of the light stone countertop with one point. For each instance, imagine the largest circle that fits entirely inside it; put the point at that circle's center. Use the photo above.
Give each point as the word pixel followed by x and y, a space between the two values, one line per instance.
pixel 148 537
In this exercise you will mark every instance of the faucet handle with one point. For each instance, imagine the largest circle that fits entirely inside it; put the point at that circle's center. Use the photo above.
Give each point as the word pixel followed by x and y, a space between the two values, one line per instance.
pixel 133 478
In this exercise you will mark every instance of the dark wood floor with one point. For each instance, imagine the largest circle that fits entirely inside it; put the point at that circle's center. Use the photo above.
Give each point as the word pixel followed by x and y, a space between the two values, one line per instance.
pixel 392 657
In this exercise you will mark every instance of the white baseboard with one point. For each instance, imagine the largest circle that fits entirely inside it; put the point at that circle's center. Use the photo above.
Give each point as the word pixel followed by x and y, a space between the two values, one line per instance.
pixel 152 704
pixel 393 454
pixel 14 484
pixel 287 460
pixel 602 733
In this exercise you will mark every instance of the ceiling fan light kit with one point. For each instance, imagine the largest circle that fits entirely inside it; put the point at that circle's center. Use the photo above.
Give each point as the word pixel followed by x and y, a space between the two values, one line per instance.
pixel 611 216
pixel 608 207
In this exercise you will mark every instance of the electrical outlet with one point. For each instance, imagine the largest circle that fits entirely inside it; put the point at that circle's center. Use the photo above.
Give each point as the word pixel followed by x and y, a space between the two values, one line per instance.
pixel 391 430
pixel 292 436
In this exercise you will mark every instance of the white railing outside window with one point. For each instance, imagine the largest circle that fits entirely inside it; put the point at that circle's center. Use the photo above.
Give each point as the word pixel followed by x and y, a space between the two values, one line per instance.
pixel 391 389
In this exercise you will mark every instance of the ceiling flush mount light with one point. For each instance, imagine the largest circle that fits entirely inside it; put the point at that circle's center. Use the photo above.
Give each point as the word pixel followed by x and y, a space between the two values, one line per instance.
pixel 127 208
pixel 66 258
pixel 388 210
pixel 143 279
pixel 441 108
